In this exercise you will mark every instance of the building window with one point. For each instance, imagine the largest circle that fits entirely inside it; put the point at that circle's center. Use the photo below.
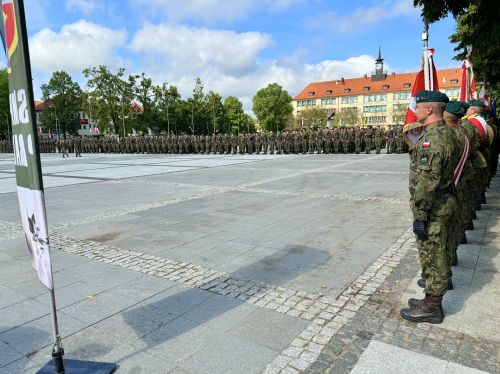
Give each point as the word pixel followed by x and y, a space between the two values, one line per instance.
pixel 366 89
pixel 401 95
pixel 311 93
pixel 376 120
pixel 349 99
pixel 452 93
pixel 385 87
pixel 454 81
pixel 347 90
pixel 329 101
pixel 407 85
pixel 375 109
pixel 375 97
pixel 328 92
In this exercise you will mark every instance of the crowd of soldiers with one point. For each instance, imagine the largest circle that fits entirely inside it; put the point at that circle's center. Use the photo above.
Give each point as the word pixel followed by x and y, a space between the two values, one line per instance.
pixel 452 160
pixel 337 140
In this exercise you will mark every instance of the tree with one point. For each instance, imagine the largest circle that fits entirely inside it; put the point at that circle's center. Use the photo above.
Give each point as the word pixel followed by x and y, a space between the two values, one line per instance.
pixel 111 96
pixel 235 115
pixel 215 108
pixel 477 26
pixel 4 104
pixel 166 99
pixel 349 116
pixel 399 113
pixel 143 91
pixel 272 106
pixel 312 118
pixel 62 103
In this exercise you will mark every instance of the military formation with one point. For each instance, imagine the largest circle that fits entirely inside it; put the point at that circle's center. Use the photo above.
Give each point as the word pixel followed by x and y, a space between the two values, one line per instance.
pixel 453 158
pixel 337 140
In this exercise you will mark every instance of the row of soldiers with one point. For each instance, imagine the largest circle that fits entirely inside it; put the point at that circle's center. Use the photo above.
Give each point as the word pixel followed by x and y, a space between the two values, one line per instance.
pixel 454 155
pixel 337 140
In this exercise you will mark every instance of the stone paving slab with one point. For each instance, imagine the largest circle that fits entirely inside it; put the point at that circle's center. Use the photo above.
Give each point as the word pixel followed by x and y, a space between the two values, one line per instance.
pixel 384 358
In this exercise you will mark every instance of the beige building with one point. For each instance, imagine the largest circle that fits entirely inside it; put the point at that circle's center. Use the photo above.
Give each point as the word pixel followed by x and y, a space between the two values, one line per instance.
pixel 379 99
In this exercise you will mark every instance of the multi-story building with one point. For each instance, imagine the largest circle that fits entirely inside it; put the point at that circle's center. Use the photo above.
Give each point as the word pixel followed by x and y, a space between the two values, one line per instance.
pixel 378 99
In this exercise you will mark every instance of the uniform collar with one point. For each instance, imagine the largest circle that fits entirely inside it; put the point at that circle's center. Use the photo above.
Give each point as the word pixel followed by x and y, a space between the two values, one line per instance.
pixel 433 124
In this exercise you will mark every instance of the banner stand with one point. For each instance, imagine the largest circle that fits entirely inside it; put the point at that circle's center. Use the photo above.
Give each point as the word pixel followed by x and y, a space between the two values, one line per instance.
pixel 59 366
pixel 29 175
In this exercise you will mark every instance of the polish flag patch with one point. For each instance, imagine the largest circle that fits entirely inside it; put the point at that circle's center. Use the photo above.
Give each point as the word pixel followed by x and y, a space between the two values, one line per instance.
pixel 426 144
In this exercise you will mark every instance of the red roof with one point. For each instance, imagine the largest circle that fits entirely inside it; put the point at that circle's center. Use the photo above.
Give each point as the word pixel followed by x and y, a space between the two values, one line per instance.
pixel 357 86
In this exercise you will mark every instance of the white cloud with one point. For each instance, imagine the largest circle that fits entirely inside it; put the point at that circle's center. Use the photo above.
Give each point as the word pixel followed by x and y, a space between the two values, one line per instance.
pixel 208 12
pixel 290 72
pixel 191 49
pixel 85 6
pixel 76 46
pixel 363 18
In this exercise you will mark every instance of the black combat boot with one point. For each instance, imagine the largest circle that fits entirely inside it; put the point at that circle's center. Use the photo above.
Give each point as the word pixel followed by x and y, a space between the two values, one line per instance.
pixel 464 239
pixel 470 226
pixel 454 262
pixel 483 199
pixel 421 283
pixel 478 207
pixel 474 215
pixel 427 310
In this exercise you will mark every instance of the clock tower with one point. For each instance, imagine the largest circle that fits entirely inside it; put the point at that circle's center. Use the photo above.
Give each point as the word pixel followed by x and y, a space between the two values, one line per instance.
pixel 379 68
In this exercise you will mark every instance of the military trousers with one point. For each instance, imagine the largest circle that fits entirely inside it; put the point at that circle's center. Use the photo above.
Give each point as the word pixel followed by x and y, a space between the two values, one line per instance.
pixel 434 252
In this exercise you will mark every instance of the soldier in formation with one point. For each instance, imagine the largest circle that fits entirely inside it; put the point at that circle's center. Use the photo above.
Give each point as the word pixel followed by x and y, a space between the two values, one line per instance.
pixel 451 165
pixel 338 140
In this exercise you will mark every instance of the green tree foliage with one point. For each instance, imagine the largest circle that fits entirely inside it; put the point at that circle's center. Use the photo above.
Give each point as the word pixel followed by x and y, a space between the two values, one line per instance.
pixel 4 104
pixel 214 107
pixel 63 102
pixel 272 106
pixel 350 116
pixel 312 118
pixel 166 99
pixel 399 113
pixel 477 26
pixel 143 92
pixel 111 98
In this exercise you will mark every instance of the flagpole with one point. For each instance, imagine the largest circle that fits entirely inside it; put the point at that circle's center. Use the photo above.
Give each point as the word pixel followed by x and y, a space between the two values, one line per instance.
pixel 468 69
pixel 425 39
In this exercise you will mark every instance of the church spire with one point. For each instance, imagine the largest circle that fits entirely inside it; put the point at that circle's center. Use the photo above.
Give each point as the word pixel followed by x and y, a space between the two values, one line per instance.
pixel 380 55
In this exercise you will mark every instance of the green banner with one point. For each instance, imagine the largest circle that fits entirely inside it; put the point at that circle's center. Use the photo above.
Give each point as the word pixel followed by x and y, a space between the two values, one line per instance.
pixel 25 139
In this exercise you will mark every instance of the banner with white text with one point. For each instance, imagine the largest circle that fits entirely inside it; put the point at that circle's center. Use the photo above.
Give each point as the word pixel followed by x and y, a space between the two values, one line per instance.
pixel 25 139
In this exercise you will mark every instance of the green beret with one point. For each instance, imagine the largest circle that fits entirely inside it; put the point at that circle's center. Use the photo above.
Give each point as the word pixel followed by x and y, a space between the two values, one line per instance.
pixel 478 103
pixel 455 108
pixel 431 97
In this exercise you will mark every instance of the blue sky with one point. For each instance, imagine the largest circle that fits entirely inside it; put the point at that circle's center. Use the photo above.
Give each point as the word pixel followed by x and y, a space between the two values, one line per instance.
pixel 235 47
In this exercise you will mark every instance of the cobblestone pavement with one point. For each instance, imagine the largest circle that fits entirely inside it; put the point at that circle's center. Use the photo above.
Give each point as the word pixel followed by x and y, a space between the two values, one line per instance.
pixel 319 330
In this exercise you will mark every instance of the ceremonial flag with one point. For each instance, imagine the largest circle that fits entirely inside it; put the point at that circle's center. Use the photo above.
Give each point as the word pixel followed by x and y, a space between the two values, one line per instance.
pixel 483 96
pixel 468 85
pixel 25 140
pixel 412 129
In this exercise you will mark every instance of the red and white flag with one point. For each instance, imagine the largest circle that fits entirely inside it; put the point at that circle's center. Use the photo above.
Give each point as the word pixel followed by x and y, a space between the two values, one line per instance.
pixel 412 129
pixel 468 87
pixel 483 96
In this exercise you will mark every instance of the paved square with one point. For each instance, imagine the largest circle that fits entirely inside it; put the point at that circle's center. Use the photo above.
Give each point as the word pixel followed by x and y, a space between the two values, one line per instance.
pixel 202 264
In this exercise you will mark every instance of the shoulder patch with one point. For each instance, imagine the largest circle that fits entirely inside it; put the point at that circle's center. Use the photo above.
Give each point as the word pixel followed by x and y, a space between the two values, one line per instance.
pixel 426 144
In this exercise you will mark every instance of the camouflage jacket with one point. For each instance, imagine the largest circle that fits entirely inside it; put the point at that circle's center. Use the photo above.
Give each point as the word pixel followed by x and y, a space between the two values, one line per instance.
pixel 432 165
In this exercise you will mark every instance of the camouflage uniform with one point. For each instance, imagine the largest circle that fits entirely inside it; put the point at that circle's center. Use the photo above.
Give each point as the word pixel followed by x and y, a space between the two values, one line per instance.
pixel 432 200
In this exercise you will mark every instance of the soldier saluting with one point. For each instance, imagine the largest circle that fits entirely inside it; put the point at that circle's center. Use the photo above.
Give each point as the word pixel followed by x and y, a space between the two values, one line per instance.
pixel 432 200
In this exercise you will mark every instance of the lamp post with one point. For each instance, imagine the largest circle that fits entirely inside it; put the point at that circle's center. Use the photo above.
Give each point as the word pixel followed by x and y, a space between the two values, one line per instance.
pixel 192 117
pixel 7 123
